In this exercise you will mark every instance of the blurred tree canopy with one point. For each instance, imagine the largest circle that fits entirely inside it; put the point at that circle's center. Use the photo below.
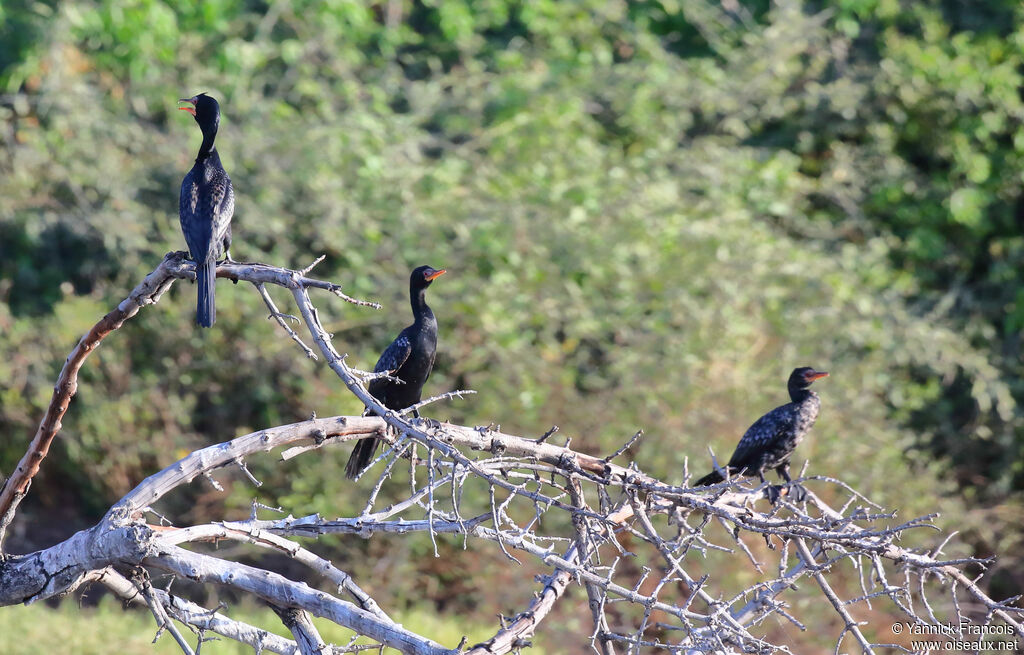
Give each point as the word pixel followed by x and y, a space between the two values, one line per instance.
pixel 652 211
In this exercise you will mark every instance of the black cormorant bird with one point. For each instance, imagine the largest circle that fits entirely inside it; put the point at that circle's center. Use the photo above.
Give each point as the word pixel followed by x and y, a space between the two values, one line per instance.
pixel 770 441
pixel 205 206
pixel 409 358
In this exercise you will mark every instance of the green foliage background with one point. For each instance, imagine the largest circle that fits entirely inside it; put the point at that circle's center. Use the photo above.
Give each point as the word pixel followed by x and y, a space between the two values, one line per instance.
pixel 651 212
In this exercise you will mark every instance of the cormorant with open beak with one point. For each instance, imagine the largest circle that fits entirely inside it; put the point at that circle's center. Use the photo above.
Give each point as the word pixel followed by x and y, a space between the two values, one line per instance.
pixel 205 207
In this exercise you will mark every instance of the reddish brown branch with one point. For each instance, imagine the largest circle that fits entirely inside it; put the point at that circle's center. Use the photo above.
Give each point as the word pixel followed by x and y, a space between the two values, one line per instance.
pixel 175 265
pixel 16 487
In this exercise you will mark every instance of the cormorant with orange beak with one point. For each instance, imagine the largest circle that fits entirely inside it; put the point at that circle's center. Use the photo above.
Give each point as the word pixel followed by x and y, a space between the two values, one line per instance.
pixel 409 359
pixel 205 207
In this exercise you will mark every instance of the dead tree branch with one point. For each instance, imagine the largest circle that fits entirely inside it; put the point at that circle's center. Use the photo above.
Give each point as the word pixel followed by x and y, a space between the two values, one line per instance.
pixel 174 266
pixel 635 544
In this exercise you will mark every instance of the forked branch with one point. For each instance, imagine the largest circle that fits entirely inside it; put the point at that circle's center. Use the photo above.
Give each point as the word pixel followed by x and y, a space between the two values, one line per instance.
pixel 634 543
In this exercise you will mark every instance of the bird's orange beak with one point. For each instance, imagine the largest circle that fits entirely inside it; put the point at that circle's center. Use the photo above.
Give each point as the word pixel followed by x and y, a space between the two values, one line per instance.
pixel 811 377
pixel 436 274
pixel 192 109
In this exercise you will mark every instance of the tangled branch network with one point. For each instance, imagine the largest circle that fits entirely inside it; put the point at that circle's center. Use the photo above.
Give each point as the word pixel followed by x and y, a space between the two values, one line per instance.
pixel 633 544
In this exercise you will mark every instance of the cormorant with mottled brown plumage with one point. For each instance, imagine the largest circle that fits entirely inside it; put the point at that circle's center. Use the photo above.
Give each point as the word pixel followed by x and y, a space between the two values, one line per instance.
pixel 770 441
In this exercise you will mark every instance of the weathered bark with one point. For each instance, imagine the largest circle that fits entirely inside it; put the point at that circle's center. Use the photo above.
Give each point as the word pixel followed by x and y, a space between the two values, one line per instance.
pixel 301 626
pixel 279 590
pixel 536 476
pixel 62 568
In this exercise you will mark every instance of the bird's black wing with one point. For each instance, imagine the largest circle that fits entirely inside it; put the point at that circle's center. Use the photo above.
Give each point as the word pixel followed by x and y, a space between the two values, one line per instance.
pixel 391 360
pixel 395 355
pixel 198 232
pixel 222 195
pixel 761 436
pixel 205 208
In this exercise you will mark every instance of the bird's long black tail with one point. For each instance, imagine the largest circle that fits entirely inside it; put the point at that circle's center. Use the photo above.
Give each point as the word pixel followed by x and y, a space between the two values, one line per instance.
pixel 710 478
pixel 360 458
pixel 206 277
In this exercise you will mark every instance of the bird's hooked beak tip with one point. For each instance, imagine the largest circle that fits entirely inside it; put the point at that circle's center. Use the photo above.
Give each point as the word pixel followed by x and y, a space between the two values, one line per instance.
pixel 436 274
pixel 192 109
pixel 811 377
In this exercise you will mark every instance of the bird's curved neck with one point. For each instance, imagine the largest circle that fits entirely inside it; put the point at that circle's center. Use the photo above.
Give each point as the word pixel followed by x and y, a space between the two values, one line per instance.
pixel 799 395
pixel 207 148
pixel 420 310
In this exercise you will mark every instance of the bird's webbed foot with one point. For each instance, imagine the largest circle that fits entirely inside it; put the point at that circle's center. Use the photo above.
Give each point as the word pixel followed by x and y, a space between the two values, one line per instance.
pixel 796 492
pixel 431 423
pixel 791 490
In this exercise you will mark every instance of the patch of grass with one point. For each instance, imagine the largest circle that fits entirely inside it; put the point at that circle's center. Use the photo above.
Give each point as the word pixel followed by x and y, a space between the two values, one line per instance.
pixel 105 628
pixel 108 628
